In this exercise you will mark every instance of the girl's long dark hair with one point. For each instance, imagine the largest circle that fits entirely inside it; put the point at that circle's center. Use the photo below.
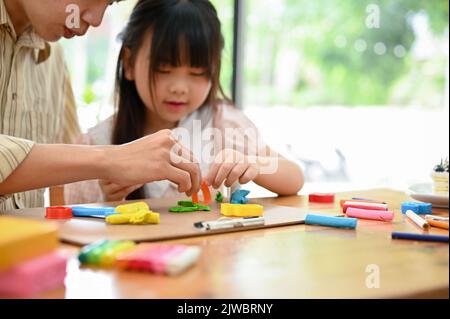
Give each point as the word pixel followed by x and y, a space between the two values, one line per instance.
pixel 181 29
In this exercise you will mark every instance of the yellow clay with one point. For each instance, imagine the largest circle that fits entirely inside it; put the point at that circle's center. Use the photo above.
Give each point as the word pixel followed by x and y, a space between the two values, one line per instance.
pixel 139 218
pixel 132 208
pixel 241 210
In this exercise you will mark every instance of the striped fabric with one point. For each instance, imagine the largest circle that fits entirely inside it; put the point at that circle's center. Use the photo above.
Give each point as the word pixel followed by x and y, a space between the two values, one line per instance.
pixel 36 103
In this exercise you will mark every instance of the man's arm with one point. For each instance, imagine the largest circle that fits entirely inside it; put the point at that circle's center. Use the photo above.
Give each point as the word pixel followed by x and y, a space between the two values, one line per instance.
pixel 49 165
pixel 145 160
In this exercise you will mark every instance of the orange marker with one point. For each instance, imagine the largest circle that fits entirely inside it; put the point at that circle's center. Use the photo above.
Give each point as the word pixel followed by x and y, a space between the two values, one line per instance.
pixel 206 195
pixel 438 224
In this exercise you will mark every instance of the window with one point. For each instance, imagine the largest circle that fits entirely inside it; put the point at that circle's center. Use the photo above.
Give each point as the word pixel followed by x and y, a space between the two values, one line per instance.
pixel 353 90
pixel 352 53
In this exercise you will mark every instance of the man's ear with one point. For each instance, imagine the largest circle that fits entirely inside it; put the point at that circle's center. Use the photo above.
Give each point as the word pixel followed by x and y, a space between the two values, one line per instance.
pixel 128 67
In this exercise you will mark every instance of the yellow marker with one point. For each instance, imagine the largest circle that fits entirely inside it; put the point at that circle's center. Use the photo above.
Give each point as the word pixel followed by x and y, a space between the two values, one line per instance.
pixel 22 239
pixel 139 218
pixel 132 208
pixel 109 257
pixel 241 210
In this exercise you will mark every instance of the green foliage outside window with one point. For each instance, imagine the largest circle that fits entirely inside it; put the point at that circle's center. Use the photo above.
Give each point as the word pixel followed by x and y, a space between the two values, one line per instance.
pixel 333 75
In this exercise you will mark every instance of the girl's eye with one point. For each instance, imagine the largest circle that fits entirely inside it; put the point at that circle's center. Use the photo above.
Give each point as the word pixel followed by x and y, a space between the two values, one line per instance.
pixel 198 73
pixel 162 71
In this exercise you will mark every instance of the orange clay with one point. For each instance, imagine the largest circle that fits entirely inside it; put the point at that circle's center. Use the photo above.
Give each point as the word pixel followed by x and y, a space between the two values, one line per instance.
pixel 206 195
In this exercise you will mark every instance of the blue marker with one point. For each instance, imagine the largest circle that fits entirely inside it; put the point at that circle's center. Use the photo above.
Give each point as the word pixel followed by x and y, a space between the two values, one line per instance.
pixel 420 237
pixel 81 211
pixel 340 222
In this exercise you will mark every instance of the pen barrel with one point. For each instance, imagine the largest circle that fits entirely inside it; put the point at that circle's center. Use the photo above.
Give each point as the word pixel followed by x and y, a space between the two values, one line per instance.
pixel 420 237
pixel 218 226
pixel 439 218
pixel 419 221
pixel 242 222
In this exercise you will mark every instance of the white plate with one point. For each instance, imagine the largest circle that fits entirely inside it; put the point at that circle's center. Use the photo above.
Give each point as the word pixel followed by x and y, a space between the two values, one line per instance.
pixel 424 192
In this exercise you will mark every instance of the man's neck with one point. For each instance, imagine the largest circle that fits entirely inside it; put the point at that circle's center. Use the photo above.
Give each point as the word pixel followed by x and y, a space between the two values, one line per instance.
pixel 17 15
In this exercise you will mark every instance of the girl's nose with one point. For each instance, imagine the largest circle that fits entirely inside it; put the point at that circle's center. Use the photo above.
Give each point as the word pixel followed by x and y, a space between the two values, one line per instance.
pixel 179 88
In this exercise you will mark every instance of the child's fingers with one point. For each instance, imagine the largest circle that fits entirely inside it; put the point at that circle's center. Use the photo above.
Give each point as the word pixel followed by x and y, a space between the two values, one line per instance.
pixel 250 174
pixel 223 172
pixel 237 172
pixel 212 173
pixel 225 156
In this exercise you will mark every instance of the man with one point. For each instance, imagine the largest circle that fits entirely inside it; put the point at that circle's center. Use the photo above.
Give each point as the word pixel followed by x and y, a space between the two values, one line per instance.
pixel 37 110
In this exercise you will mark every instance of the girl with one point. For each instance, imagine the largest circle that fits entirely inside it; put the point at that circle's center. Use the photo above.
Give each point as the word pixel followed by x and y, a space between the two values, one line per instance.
pixel 168 79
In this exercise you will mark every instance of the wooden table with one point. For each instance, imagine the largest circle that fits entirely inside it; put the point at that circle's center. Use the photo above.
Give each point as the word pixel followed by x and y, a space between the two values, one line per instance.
pixel 299 261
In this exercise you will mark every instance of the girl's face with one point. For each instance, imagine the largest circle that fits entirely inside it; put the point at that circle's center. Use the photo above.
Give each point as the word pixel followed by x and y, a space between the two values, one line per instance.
pixel 179 90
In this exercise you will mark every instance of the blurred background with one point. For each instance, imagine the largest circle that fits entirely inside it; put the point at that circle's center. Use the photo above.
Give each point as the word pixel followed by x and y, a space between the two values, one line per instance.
pixel 354 91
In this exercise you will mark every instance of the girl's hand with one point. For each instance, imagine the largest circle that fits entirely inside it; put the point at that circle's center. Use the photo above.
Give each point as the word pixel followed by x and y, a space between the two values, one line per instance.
pixel 113 192
pixel 230 166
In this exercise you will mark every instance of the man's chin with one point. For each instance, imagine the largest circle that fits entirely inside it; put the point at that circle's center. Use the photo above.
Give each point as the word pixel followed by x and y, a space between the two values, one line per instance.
pixel 49 37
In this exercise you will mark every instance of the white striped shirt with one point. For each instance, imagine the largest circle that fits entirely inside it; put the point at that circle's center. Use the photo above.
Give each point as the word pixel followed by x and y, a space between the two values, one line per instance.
pixel 36 103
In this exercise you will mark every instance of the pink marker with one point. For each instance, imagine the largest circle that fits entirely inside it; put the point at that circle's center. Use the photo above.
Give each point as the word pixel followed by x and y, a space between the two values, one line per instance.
pixel 34 276
pixel 364 205
pixel 370 214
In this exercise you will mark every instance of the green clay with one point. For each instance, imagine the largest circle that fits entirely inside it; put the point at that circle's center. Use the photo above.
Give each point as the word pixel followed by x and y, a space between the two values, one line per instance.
pixel 186 209
pixel 203 208
pixel 185 203
pixel 219 197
